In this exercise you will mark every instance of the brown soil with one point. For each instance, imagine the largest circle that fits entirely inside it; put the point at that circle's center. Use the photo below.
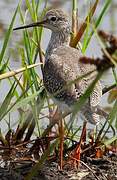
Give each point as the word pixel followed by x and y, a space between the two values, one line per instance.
pixel 100 169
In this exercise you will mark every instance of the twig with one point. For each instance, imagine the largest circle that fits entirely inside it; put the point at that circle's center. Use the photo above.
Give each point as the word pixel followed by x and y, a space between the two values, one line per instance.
pixel 54 121
pixel 17 71
pixel 85 166
pixel 74 19
pixel 80 32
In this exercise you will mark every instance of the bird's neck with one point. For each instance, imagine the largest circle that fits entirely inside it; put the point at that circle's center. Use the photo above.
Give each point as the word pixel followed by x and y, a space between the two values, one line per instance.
pixel 57 39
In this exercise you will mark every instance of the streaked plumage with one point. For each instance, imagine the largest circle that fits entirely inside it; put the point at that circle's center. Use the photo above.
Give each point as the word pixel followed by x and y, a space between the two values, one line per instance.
pixel 62 65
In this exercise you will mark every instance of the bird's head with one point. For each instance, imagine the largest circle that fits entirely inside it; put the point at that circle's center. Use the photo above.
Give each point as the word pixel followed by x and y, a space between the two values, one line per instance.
pixel 55 20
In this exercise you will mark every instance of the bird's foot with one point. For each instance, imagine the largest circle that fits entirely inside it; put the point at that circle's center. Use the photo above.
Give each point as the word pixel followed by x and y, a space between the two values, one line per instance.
pixel 77 152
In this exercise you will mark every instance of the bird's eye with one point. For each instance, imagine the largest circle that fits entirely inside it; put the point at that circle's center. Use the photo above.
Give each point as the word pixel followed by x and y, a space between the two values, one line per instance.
pixel 53 18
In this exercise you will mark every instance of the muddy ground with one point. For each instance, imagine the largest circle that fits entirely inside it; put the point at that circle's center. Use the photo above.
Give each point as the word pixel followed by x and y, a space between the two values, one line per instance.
pixel 100 169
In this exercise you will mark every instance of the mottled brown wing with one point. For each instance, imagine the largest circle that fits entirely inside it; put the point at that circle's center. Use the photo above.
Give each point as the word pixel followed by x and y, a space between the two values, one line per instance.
pixel 68 67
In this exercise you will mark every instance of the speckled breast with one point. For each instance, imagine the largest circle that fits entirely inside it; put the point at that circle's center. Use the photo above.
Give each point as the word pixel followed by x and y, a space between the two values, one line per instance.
pixel 55 85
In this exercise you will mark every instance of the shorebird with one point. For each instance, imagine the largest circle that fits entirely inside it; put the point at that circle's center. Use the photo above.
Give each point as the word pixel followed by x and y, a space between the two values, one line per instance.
pixel 62 65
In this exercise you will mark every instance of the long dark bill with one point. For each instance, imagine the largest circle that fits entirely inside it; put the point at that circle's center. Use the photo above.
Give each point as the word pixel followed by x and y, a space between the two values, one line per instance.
pixel 30 25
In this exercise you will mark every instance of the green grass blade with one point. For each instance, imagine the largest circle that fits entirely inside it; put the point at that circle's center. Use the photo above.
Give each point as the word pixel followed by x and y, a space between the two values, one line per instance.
pixel 115 75
pixel 4 66
pixel 97 23
pixel 113 113
pixel 110 141
pixel 28 4
pixel 86 36
pixel 76 39
pixel 7 100
pixel 110 120
pixel 38 165
pixel 26 100
pixel 4 113
pixel 7 36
